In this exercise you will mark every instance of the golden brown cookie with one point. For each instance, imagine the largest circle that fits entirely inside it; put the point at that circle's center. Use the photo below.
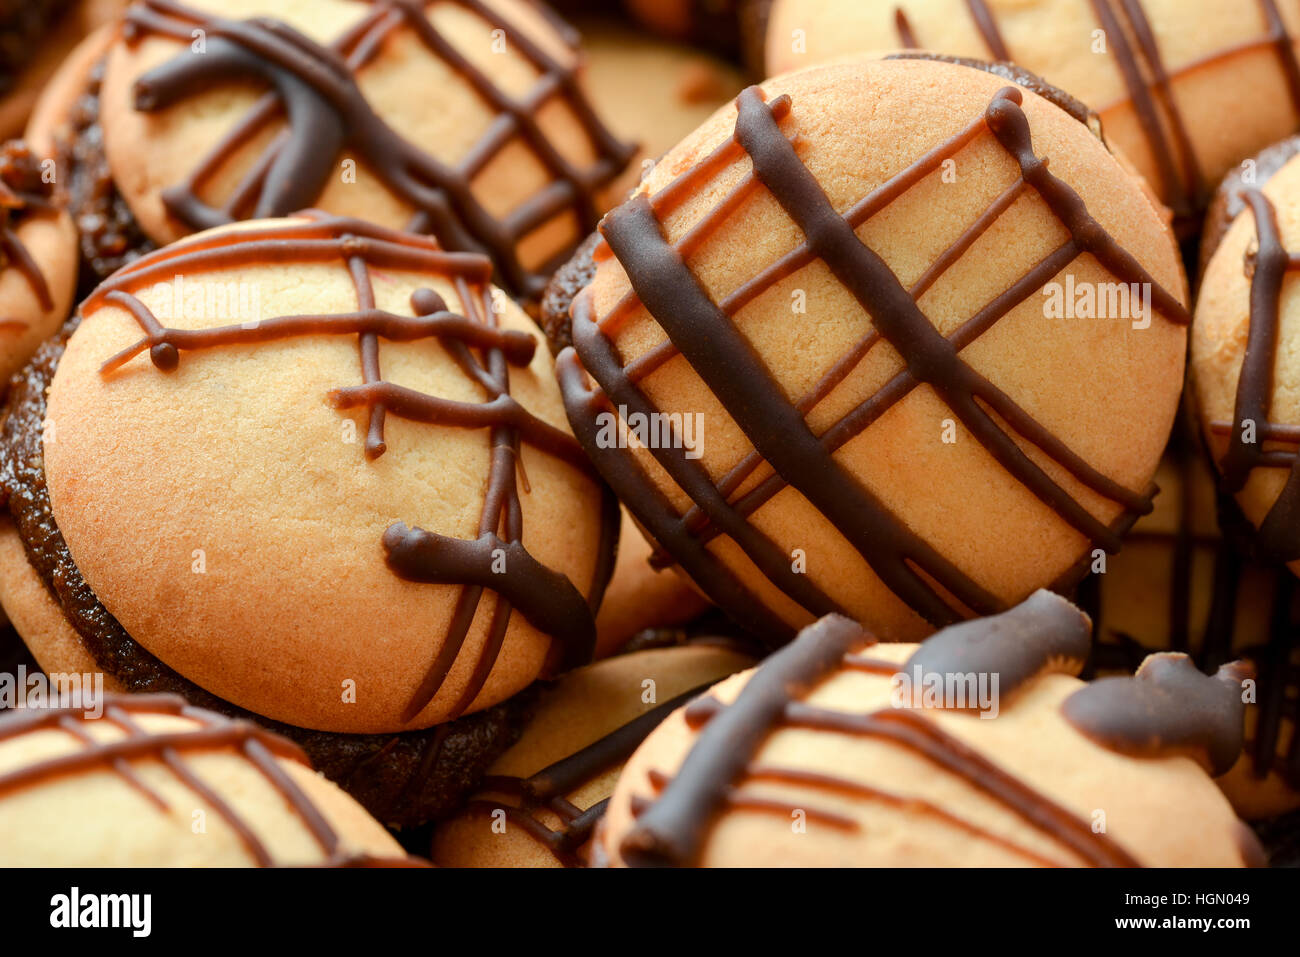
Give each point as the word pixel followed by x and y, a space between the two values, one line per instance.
pixel 1184 89
pixel 38 255
pixel 1244 382
pixel 862 371
pixel 975 748
pixel 320 469
pixel 466 120
pixel 147 781
pixel 542 798
pixel 36 48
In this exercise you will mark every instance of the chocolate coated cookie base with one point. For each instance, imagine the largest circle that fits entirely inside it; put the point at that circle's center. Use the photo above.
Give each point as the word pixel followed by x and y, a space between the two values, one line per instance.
pixel 402 779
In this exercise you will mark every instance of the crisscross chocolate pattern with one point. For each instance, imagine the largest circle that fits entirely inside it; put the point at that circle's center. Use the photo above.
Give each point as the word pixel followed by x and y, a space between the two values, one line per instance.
pixel 706 334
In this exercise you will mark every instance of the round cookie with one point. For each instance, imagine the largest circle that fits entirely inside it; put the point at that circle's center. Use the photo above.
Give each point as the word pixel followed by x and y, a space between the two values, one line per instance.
pixel 640 596
pixel 570 754
pixel 147 781
pixel 1243 380
pixel 1184 90
pixel 653 92
pixel 282 106
pixel 838 751
pixel 34 42
pixel 314 475
pixel 971 444
pixel 1183 583
pixel 38 255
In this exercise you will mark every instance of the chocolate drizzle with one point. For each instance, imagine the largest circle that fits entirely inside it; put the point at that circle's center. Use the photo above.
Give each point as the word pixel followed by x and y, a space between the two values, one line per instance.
pixel 1269 266
pixel 315 89
pixel 259 748
pixel 705 333
pixel 1167 708
pixel 23 194
pixel 674 828
pixel 1216 642
pixel 547 599
pixel 1149 85
pixel 980 14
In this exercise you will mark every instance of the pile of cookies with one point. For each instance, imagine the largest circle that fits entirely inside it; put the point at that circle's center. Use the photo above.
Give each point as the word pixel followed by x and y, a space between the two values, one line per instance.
pixel 692 434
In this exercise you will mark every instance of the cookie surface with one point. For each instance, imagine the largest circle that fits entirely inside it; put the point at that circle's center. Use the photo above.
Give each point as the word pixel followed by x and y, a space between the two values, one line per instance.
pixel 38 258
pixel 149 781
pixel 282 576
pixel 825 756
pixel 284 106
pixel 1184 90
pixel 835 319
pixel 1244 382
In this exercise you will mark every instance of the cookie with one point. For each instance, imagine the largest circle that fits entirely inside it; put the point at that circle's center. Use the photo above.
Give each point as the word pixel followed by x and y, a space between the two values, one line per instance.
pixel 653 92
pixel 38 255
pixel 35 38
pixel 855 346
pixel 277 107
pixel 641 597
pixel 838 751
pixel 368 517
pixel 1243 384
pixel 148 781
pixel 1184 90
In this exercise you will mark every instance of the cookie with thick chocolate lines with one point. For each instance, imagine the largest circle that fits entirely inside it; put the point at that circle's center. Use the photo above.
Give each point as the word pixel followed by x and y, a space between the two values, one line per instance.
pixel 901 418
pixel 290 105
pixel 1242 373
pixel 841 751
pixel 1188 580
pixel 38 258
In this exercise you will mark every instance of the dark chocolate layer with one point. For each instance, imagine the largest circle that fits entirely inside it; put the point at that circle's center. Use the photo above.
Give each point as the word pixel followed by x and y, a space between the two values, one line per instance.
pixel 402 779
pixel 110 235
pixel 573 277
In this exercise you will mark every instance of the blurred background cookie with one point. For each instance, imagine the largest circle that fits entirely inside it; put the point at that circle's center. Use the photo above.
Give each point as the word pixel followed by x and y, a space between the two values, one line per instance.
pixel 466 122
pixel 1245 384
pixel 652 92
pixel 822 756
pixel 147 781
pixel 35 38
pixel 541 800
pixel 38 256
pixel 367 516
pixel 886 416
pixel 1184 90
